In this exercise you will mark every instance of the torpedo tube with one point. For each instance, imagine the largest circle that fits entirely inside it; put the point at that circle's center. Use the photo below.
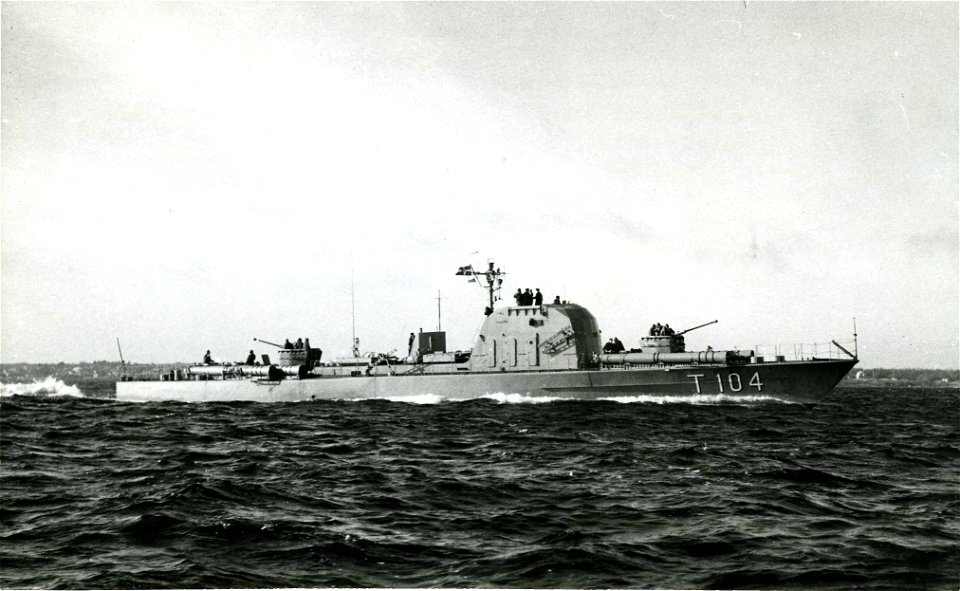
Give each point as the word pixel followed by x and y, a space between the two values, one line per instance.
pixel 727 357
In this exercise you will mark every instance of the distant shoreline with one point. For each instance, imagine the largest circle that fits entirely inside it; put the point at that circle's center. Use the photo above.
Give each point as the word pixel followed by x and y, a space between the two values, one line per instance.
pixel 895 384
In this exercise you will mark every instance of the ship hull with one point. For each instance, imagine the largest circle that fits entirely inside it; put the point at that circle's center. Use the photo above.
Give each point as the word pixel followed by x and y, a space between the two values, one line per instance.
pixel 799 381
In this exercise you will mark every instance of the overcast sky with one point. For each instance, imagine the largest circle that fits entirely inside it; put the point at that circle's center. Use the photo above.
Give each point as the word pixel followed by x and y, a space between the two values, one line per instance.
pixel 190 176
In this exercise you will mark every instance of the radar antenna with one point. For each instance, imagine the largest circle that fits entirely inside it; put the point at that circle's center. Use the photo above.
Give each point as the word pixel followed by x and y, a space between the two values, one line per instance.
pixel 492 280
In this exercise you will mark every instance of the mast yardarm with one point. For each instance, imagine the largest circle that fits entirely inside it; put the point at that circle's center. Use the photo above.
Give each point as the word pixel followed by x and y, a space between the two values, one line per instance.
pixel 492 280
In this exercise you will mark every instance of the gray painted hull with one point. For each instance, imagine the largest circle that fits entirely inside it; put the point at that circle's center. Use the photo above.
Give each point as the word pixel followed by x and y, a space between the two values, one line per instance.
pixel 800 381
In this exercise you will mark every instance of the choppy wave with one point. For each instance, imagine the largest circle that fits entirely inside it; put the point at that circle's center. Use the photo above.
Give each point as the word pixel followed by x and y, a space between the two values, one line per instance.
pixel 50 386
pixel 496 492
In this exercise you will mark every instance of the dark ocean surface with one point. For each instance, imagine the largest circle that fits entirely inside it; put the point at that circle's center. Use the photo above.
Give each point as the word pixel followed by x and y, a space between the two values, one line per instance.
pixel 862 491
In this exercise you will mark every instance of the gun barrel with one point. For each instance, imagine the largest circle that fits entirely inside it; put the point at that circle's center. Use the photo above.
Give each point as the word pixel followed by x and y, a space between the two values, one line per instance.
pixel 268 342
pixel 696 327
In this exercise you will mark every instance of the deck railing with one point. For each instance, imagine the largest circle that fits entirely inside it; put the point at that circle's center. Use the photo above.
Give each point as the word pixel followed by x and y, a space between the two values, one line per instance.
pixel 805 351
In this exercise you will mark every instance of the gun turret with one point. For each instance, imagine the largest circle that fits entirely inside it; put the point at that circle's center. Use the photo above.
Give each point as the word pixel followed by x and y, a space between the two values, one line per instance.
pixel 696 327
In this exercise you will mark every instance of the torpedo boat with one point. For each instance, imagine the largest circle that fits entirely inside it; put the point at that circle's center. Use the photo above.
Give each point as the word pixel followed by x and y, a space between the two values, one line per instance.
pixel 535 350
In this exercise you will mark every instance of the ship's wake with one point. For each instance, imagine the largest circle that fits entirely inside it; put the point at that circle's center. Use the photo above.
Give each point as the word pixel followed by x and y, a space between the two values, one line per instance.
pixel 517 398
pixel 49 386
pixel 705 399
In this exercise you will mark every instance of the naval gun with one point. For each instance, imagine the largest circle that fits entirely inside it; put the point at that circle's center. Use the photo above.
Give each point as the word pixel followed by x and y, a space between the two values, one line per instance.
pixel 668 349
pixel 268 342
pixel 668 343
pixel 293 361
pixel 696 327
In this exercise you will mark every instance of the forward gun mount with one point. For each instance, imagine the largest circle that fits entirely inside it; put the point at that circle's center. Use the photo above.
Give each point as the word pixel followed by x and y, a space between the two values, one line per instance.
pixel 668 343
pixel 696 327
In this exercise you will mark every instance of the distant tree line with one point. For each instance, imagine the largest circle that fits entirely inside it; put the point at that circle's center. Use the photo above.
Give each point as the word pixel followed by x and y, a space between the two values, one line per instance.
pixel 11 373
pixel 914 376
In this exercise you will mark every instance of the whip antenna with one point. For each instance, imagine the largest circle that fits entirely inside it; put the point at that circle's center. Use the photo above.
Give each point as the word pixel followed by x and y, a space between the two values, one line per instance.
pixel 856 352
pixel 353 308
pixel 123 364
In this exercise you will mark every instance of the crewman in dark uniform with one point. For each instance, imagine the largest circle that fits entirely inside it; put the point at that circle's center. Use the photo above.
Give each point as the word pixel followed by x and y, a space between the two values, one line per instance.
pixel 538 299
pixel 207 359
pixel 251 358
pixel 410 345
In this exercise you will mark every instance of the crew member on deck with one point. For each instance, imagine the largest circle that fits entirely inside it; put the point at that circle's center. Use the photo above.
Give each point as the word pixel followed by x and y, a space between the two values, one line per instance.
pixel 251 358
pixel 617 345
pixel 207 359
pixel 556 300
pixel 299 344
pixel 287 344
pixel 538 299
pixel 410 345
pixel 356 347
pixel 519 297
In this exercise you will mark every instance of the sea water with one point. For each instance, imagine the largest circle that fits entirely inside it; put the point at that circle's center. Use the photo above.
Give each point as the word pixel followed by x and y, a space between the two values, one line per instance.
pixel 645 492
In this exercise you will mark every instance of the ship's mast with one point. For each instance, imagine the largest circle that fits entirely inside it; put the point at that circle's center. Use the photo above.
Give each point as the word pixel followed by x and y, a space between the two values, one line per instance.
pixel 492 280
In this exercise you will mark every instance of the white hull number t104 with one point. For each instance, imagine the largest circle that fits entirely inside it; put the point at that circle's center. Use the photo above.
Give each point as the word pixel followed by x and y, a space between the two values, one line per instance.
pixel 734 382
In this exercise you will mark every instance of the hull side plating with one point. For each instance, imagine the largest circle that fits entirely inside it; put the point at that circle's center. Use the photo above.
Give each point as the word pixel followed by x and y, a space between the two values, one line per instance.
pixel 801 381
